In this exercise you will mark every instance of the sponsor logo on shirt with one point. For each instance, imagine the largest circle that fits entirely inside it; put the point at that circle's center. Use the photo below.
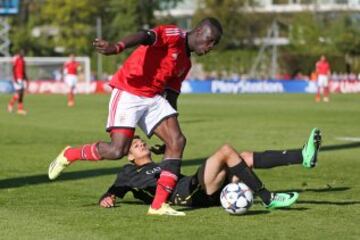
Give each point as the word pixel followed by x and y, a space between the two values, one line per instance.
pixel 153 171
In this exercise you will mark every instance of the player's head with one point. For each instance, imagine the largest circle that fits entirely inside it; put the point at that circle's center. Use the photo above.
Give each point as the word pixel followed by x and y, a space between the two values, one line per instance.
pixel 322 58
pixel 72 57
pixel 205 36
pixel 21 52
pixel 139 151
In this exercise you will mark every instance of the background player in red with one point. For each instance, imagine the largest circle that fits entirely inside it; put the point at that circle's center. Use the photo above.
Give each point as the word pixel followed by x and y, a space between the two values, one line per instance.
pixel 71 69
pixel 20 82
pixel 145 92
pixel 323 74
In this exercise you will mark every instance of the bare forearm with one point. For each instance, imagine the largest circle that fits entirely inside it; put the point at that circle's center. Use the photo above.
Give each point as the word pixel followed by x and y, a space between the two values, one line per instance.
pixel 134 39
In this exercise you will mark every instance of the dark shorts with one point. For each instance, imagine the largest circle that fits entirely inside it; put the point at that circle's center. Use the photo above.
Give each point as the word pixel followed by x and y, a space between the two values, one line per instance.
pixel 188 191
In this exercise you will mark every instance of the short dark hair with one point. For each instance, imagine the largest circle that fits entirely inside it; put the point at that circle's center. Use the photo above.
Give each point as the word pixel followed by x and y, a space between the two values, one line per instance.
pixel 212 21
pixel 134 138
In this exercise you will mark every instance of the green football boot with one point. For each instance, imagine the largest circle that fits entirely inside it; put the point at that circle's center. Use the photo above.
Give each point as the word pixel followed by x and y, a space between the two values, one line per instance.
pixel 311 149
pixel 282 200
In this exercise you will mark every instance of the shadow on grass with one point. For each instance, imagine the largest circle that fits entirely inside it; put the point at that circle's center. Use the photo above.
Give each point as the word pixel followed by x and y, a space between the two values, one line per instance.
pixel 119 203
pixel 319 190
pixel 180 208
pixel 253 213
pixel 42 178
pixel 249 213
pixel 133 202
pixel 292 208
pixel 321 202
pixel 91 205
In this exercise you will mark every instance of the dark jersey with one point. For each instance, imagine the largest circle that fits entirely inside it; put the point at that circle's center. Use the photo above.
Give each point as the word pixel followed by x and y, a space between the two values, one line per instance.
pixel 141 181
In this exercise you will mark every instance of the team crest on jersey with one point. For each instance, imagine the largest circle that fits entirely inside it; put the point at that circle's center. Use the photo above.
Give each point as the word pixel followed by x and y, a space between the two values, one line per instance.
pixel 174 56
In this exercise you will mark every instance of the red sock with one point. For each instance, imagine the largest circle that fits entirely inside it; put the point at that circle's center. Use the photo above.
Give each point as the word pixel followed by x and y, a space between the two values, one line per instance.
pixel 71 97
pixel 165 186
pixel 13 100
pixel 88 152
pixel 20 106
pixel 317 97
pixel 326 92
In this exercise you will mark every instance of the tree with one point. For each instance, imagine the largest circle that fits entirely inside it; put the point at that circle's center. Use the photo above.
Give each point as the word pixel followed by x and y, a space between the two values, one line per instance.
pixel 21 30
pixel 346 32
pixel 241 28
pixel 123 17
pixel 127 17
pixel 75 21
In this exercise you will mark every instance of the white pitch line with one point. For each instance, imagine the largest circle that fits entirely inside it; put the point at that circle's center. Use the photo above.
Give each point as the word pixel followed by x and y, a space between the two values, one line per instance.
pixel 350 139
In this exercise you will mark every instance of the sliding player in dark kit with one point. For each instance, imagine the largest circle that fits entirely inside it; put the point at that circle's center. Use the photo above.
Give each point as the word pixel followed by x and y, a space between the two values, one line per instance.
pixel 203 188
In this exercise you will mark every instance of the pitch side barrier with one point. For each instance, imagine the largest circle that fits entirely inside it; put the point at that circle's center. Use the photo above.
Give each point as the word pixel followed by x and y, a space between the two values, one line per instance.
pixel 265 86
pixel 196 87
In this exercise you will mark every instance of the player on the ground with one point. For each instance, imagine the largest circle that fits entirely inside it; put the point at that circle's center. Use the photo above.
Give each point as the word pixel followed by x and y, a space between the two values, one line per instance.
pixel 203 188
pixel 20 82
pixel 71 68
pixel 323 74
pixel 156 68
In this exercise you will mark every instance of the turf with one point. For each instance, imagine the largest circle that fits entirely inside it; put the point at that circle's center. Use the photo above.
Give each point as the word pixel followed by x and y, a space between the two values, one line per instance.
pixel 32 207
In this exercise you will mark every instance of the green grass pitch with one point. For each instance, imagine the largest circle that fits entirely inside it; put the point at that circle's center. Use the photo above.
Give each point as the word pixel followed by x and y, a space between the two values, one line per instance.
pixel 32 207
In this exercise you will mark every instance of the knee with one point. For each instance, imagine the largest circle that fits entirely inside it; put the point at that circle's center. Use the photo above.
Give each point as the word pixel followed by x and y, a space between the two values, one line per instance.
pixel 248 158
pixel 227 149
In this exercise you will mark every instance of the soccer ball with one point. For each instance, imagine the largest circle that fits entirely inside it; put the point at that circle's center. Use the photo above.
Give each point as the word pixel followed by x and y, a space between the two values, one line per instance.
pixel 236 198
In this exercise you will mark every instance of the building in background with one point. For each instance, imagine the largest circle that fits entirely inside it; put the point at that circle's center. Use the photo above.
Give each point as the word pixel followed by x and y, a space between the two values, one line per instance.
pixel 304 5
pixel 184 10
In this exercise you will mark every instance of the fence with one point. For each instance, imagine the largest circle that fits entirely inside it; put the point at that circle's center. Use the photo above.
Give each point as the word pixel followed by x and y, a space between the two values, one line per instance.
pixel 197 87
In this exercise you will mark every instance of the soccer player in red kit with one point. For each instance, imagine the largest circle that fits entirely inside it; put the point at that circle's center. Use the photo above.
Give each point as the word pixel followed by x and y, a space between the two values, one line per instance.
pixel 19 82
pixel 71 68
pixel 145 91
pixel 323 75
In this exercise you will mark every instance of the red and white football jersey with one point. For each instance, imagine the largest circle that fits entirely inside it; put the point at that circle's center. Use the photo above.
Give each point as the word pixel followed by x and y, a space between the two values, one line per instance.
pixel 18 67
pixel 151 69
pixel 71 67
pixel 322 67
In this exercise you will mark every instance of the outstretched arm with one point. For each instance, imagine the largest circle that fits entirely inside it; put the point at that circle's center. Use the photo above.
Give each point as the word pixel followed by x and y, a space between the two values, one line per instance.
pixel 108 199
pixel 119 189
pixel 143 37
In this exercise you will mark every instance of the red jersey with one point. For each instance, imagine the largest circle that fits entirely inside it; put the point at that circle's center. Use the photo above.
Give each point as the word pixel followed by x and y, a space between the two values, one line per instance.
pixel 322 67
pixel 71 67
pixel 18 67
pixel 150 69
